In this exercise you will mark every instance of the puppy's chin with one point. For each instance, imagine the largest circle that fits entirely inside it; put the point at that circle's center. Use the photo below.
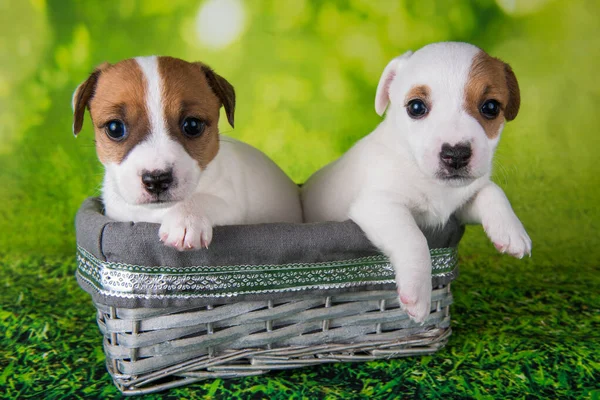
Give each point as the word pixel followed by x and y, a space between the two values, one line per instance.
pixel 460 178
pixel 455 178
pixel 160 201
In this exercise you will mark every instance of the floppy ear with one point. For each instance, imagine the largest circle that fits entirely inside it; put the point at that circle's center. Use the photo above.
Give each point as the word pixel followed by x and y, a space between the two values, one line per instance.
pixel 222 89
pixel 82 96
pixel 382 97
pixel 514 99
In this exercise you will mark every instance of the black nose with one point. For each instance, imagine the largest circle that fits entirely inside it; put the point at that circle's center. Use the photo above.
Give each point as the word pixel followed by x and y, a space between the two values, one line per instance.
pixel 457 156
pixel 157 182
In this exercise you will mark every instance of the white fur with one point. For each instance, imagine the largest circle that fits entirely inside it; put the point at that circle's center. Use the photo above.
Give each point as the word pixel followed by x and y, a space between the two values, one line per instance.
pixel 154 104
pixel 388 183
pixel 239 186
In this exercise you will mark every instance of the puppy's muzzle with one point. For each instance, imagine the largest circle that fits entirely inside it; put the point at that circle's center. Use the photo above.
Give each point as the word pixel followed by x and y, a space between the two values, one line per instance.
pixel 455 157
pixel 157 182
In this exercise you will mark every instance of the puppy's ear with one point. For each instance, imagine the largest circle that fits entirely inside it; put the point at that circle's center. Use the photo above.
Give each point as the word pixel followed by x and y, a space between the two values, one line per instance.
pixel 82 95
pixel 382 98
pixel 222 89
pixel 514 99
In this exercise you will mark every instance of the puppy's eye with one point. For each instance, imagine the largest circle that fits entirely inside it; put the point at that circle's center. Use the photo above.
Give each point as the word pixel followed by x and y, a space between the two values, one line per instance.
pixel 416 109
pixel 490 109
pixel 116 130
pixel 193 127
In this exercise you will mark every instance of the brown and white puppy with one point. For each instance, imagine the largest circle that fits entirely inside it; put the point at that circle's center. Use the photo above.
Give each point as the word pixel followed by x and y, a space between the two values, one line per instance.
pixel 156 128
pixel 429 158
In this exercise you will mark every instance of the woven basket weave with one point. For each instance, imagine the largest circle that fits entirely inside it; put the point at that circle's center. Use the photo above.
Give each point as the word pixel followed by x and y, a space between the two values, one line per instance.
pixel 214 321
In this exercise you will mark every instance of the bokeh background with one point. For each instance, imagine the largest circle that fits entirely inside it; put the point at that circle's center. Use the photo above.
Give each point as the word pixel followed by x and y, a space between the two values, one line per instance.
pixel 305 74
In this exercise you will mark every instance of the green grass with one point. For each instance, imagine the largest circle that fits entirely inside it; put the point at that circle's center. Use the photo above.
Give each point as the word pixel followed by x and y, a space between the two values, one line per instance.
pixel 305 79
pixel 519 331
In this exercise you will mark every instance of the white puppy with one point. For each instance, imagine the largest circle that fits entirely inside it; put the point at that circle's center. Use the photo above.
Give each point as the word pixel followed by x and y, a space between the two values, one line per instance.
pixel 430 157
pixel 156 127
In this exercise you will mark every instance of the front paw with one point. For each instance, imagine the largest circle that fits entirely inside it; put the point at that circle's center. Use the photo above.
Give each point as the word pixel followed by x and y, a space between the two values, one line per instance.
pixel 415 295
pixel 184 231
pixel 508 235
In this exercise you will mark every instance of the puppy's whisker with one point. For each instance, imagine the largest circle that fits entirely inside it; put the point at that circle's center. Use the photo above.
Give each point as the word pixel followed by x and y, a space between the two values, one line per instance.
pixel 501 172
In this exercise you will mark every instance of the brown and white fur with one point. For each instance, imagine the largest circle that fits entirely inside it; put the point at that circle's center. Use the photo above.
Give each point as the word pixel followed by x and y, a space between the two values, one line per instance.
pixel 206 180
pixel 413 172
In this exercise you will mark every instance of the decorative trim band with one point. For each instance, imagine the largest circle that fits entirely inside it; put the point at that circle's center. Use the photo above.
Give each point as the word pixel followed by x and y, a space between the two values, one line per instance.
pixel 134 281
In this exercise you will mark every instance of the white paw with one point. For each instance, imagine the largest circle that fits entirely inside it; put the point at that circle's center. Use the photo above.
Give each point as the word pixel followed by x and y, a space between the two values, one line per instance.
pixel 184 231
pixel 415 295
pixel 508 235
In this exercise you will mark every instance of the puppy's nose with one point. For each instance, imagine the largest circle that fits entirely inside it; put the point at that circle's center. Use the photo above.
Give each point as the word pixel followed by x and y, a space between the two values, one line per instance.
pixel 157 182
pixel 457 156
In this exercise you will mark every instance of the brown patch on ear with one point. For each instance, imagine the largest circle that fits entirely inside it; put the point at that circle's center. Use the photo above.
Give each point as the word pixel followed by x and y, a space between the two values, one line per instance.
pixel 223 89
pixel 490 78
pixel 514 100
pixel 83 95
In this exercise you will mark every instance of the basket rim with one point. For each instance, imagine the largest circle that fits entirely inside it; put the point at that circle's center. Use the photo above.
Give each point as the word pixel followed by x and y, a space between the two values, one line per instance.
pixel 137 243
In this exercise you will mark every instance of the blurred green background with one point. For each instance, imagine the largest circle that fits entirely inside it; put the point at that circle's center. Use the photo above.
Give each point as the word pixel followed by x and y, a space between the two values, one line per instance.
pixel 305 74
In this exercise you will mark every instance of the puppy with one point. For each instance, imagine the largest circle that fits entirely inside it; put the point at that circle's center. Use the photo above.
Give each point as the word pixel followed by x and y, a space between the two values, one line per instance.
pixel 156 128
pixel 430 157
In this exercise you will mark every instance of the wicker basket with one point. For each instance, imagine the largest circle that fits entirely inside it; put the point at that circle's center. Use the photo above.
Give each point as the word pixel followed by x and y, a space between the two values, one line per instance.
pixel 178 318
